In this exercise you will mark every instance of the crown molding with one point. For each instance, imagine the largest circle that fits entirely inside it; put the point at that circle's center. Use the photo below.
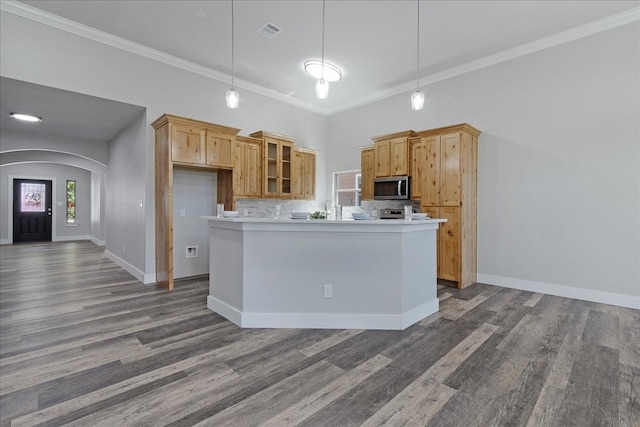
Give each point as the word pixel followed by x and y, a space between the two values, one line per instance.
pixel 81 30
pixel 37 15
pixel 576 33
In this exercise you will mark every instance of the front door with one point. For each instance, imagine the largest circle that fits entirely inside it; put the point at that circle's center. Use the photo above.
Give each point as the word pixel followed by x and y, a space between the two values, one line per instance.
pixel 31 210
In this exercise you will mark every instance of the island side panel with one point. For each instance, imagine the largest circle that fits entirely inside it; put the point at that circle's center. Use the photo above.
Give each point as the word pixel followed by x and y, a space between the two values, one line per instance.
pixel 419 282
pixel 226 272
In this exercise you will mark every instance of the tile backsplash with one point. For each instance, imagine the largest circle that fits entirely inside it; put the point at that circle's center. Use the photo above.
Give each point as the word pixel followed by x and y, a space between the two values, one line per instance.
pixel 265 208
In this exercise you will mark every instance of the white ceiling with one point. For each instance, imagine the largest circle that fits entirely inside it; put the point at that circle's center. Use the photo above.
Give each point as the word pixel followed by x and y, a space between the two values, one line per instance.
pixel 374 42
pixel 65 114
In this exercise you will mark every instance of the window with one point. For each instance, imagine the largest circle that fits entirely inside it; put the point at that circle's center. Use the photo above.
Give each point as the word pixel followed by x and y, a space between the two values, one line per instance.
pixel 347 188
pixel 71 202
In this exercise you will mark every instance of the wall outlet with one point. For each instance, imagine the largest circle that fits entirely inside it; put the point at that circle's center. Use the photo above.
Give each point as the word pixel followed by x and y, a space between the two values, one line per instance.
pixel 124 249
pixel 191 252
pixel 183 212
pixel 328 291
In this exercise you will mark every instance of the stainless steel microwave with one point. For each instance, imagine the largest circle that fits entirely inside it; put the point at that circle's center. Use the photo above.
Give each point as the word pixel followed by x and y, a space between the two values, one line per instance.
pixel 394 188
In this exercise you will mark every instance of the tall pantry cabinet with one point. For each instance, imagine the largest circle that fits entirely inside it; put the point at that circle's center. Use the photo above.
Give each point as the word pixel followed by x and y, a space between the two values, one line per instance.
pixel 448 184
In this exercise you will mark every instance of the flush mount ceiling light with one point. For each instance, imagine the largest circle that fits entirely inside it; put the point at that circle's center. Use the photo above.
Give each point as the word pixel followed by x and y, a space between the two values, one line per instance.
pixel 25 117
pixel 417 98
pixel 332 73
pixel 233 97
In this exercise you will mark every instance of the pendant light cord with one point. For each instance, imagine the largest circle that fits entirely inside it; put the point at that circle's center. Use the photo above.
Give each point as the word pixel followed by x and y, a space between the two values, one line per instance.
pixel 418 49
pixel 322 70
pixel 232 45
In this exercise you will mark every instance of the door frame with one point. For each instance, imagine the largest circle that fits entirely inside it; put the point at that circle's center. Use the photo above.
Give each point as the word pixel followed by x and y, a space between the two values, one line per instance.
pixel 54 203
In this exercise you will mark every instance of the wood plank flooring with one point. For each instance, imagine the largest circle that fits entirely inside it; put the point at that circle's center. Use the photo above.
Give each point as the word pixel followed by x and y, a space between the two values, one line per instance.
pixel 82 343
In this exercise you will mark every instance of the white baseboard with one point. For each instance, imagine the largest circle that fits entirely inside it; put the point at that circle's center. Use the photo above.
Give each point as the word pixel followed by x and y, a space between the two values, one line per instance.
pixel 5 241
pixel 97 242
pixel 630 301
pixel 70 238
pixel 125 265
pixel 322 320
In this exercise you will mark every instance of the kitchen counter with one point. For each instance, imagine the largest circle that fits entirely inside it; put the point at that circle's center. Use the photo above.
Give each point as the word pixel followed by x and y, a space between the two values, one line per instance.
pixel 372 274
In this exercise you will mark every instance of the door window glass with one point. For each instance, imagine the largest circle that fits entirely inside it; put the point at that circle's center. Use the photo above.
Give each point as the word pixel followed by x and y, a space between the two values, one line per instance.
pixel 32 197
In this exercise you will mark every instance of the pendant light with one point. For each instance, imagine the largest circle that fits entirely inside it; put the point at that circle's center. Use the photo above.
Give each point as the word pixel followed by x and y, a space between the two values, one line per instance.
pixel 233 97
pixel 417 98
pixel 322 86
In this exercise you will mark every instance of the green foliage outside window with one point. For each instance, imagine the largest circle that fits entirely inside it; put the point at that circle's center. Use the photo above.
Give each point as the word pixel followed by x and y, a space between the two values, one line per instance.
pixel 71 201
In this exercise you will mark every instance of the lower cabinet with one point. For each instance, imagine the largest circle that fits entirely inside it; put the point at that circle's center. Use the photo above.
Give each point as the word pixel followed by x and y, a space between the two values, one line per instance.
pixel 456 260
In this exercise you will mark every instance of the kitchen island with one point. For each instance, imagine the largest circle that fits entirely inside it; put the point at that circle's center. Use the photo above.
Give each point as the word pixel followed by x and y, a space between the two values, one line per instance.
pixel 375 274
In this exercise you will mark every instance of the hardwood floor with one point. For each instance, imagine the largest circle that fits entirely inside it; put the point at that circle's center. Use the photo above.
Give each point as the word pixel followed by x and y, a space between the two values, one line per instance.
pixel 82 343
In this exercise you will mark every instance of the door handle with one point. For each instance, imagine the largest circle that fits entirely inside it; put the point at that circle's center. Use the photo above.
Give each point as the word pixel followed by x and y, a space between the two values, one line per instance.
pixel 399 186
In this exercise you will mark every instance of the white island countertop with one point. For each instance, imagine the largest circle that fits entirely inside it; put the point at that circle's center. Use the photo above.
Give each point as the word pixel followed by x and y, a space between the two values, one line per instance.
pixel 328 223
pixel 346 274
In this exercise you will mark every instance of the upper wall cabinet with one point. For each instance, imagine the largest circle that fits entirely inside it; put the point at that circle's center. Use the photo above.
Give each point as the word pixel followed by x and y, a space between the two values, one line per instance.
pixel 277 166
pixel 247 167
pixel 367 170
pixel 304 174
pixel 392 154
pixel 220 148
pixel 188 143
pixel 201 144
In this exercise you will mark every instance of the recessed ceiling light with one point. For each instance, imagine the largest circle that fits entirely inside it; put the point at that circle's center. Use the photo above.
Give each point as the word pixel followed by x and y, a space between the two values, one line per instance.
pixel 200 14
pixel 331 72
pixel 26 117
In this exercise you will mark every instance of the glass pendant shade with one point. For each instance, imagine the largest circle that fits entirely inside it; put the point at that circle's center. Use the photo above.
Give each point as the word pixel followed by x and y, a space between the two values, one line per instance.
pixel 322 89
pixel 233 98
pixel 417 100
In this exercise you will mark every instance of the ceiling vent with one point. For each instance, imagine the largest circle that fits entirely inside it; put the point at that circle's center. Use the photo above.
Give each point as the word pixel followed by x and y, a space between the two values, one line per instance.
pixel 268 30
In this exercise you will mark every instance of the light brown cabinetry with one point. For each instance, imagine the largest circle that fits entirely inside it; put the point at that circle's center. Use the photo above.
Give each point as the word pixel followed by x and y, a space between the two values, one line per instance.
pixel 449 242
pixel 186 143
pixel 220 148
pixel 277 166
pixel 449 190
pixel 392 154
pixel 196 144
pixel 418 166
pixel 304 174
pixel 367 171
pixel 247 167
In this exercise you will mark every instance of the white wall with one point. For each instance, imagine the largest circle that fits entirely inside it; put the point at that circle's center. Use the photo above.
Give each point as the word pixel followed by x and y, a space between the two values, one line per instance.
pixel 195 192
pixel 36 53
pixel 559 161
pixel 59 174
pixel 125 198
